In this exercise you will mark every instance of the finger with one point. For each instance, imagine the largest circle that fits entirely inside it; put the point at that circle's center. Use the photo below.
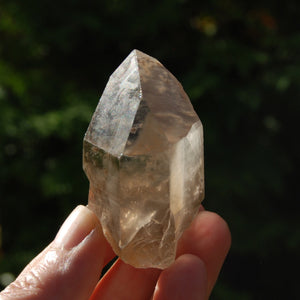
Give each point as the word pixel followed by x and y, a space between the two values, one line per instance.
pixel 69 267
pixel 124 282
pixel 209 238
pixel 201 208
pixel 184 279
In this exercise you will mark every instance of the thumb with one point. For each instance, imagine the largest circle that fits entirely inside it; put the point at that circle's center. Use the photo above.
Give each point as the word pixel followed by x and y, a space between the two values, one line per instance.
pixel 69 267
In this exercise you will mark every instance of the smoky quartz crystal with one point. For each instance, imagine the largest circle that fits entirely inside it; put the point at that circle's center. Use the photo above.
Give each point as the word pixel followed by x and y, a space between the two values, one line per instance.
pixel 143 156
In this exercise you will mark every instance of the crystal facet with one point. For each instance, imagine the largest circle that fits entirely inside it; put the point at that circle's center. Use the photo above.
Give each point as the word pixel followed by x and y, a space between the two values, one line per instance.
pixel 143 156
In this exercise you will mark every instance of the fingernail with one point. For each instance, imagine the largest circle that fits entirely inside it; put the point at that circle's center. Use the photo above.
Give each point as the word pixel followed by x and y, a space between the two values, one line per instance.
pixel 77 226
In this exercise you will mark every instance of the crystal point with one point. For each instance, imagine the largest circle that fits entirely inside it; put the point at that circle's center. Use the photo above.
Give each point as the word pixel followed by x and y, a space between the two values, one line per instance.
pixel 143 156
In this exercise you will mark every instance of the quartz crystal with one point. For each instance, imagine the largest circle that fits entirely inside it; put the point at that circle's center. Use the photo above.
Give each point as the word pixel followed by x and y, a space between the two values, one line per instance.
pixel 143 156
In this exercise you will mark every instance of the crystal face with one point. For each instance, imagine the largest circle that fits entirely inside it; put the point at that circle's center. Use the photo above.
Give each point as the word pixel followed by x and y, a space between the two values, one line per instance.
pixel 143 156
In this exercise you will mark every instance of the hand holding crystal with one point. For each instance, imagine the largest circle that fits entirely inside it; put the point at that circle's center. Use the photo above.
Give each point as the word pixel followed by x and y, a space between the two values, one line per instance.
pixel 70 267
pixel 143 155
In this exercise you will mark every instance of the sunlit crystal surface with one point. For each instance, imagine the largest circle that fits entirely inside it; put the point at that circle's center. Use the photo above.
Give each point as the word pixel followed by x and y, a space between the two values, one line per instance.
pixel 143 156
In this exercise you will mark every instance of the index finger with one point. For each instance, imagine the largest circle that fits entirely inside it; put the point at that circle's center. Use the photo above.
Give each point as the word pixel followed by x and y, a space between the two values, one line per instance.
pixel 209 238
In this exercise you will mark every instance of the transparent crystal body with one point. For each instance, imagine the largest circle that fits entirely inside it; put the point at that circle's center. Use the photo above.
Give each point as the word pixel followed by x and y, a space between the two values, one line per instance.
pixel 143 156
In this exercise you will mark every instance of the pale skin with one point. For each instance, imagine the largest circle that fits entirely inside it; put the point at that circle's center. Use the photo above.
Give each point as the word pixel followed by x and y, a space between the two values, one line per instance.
pixel 70 267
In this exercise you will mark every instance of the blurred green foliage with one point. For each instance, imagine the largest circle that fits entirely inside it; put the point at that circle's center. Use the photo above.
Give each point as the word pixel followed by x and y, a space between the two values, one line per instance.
pixel 238 61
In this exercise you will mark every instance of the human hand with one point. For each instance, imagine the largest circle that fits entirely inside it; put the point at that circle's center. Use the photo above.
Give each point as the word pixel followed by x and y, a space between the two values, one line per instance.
pixel 70 267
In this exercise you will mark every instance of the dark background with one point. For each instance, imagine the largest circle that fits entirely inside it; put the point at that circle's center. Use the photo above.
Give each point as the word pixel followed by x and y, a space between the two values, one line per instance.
pixel 239 63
